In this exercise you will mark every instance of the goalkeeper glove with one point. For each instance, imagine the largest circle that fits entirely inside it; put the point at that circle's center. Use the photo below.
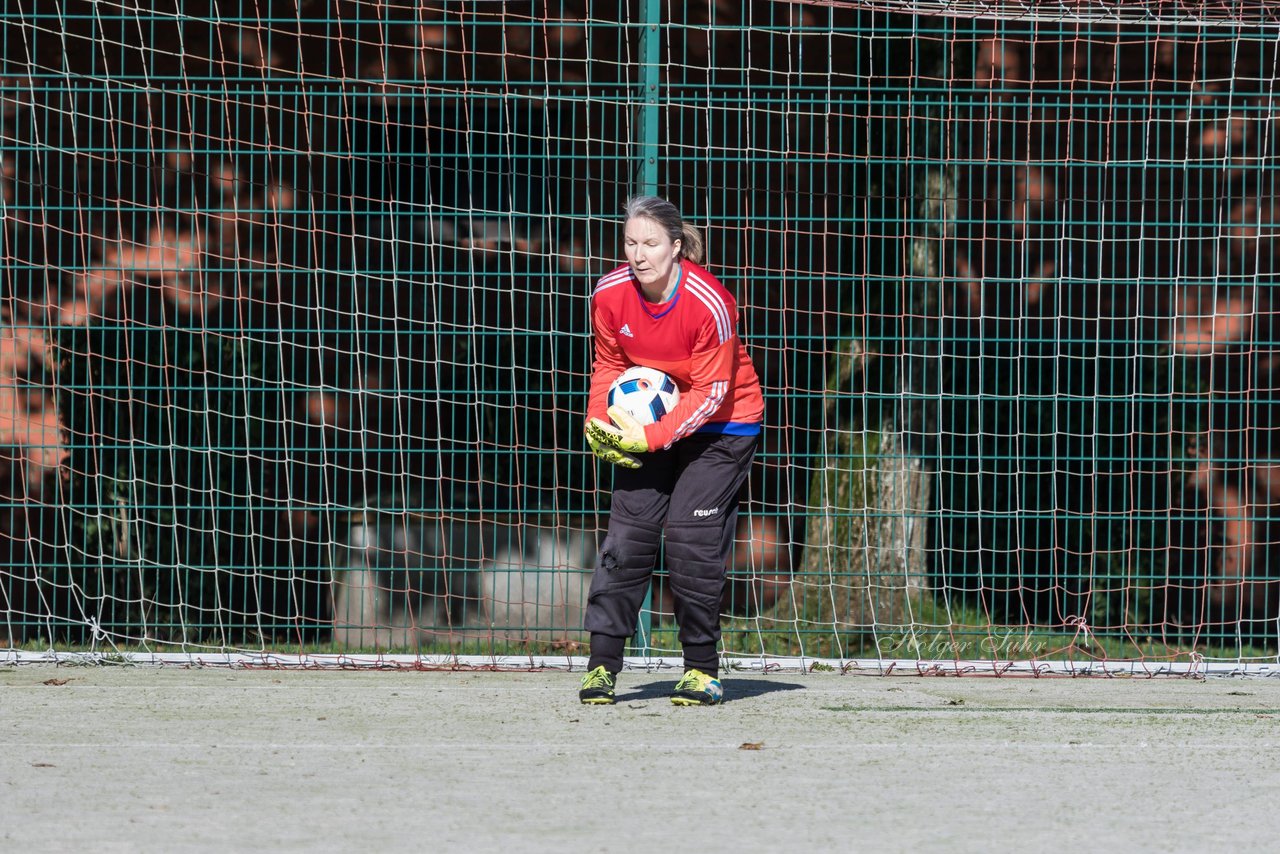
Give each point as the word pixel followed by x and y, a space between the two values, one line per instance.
pixel 627 436
pixel 610 454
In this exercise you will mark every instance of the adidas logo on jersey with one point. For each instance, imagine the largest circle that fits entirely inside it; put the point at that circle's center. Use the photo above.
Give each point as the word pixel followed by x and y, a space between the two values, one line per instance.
pixel 626 330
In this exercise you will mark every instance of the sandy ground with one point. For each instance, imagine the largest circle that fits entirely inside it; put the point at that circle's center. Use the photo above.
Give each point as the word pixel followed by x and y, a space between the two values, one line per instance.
pixel 117 758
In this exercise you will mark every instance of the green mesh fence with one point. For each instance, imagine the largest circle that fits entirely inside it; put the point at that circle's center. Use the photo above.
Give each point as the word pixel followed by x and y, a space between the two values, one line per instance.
pixel 295 342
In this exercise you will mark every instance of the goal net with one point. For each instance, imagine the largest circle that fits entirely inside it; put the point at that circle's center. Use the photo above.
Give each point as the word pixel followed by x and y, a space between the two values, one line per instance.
pixel 294 337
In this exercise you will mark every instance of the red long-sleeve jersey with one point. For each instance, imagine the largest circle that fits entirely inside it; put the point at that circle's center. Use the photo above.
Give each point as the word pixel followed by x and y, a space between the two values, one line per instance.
pixel 691 337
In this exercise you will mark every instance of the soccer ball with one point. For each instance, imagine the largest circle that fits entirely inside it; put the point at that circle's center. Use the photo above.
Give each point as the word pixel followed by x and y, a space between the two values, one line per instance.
pixel 646 393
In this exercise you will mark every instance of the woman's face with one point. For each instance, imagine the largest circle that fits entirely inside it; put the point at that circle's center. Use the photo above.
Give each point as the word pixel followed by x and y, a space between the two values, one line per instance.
pixel 651 253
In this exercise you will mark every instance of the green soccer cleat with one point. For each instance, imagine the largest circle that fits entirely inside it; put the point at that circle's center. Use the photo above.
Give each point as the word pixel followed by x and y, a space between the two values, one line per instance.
pixel 597 688
pixel 696 688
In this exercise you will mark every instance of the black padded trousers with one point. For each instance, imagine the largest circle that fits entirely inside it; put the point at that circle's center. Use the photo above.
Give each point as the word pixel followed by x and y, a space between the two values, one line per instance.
pixel 690 491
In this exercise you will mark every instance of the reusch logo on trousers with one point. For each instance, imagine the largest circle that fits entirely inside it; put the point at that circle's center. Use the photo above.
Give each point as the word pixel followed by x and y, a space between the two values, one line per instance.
pixel 713 511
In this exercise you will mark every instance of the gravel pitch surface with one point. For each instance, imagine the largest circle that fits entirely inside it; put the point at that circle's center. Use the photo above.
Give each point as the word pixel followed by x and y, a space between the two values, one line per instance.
pixel 120 758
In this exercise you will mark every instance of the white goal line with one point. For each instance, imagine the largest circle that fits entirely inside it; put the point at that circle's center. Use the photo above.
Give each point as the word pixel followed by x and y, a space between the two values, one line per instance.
pixel 1117 668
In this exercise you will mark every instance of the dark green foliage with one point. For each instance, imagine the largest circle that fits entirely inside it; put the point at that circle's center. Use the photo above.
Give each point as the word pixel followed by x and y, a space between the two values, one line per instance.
pixel 1058 455
pixel 173 513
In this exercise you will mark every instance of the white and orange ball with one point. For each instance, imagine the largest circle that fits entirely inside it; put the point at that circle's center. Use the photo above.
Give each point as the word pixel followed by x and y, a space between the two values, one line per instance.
pixel 646 394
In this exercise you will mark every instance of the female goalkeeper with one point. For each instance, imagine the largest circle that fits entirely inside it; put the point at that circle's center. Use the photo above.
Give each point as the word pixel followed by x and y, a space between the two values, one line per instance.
pixel 681 475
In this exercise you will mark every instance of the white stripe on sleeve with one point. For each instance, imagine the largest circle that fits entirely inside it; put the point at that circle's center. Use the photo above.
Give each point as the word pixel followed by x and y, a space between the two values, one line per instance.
pixel 715 304
pixel 700 415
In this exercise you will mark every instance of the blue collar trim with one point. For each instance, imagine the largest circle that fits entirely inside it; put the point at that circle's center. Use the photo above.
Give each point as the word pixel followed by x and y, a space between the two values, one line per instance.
pixel 670 304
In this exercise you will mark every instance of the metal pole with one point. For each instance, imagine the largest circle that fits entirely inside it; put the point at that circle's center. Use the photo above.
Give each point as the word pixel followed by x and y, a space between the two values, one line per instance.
pixel 650 82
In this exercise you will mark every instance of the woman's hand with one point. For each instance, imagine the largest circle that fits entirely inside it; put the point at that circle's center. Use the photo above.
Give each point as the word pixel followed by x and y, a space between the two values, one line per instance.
pixel 627 437
pixel 610 454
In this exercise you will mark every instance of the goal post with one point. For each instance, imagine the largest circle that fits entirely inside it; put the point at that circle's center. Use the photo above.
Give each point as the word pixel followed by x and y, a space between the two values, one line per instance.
pixel 294 338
